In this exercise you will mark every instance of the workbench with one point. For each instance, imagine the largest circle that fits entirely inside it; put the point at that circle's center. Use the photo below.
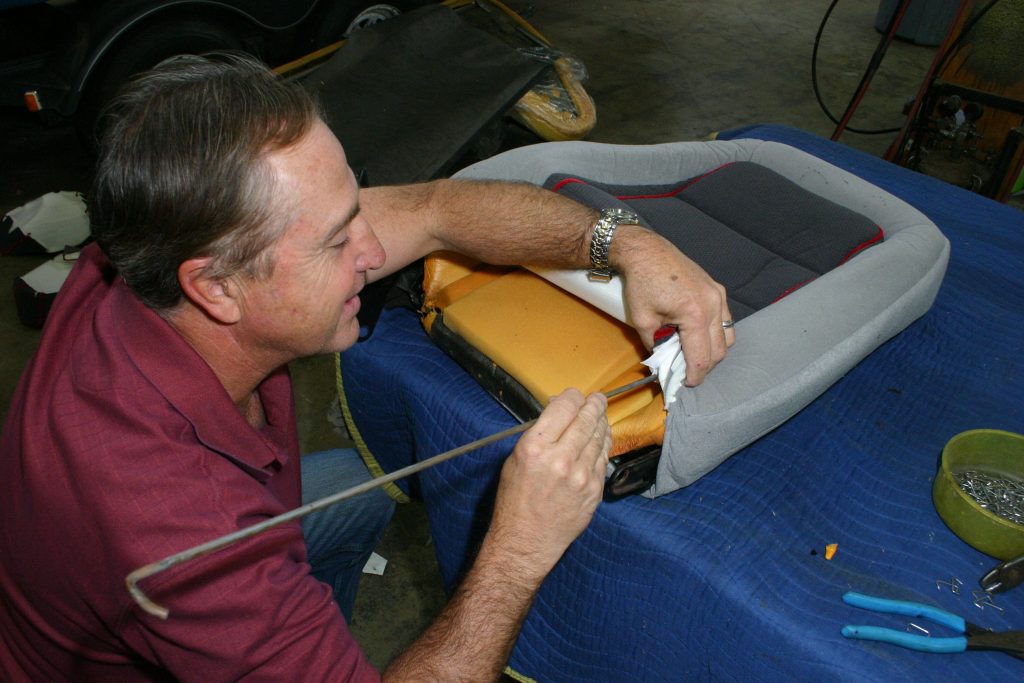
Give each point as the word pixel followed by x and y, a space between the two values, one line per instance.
pixel 726 579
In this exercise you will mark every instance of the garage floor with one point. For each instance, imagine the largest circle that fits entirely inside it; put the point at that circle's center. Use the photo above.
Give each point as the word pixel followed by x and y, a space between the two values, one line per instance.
pixel 660 71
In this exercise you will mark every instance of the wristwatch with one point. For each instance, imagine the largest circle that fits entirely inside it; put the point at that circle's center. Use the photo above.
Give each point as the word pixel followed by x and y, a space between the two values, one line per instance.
pixel 601 240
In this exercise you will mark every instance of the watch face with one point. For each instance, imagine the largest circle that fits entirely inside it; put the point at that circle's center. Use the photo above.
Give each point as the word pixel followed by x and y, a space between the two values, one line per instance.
pixel 620 215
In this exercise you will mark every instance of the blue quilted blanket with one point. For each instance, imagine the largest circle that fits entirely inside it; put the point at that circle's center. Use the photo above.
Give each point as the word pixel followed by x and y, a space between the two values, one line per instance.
pixel 726 579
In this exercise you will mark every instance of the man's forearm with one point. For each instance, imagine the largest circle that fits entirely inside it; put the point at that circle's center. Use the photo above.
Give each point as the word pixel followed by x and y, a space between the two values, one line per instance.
pixel 497 222
pixel 472 637
pixel 519 224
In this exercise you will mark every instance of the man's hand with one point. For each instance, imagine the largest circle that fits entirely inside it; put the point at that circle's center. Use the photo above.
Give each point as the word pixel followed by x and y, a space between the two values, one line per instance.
pixel 664 287
pixel 552 482
pixel 550 487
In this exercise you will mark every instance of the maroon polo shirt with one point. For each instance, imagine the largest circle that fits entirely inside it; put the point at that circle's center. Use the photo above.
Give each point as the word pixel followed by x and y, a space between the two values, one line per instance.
pixel 121 448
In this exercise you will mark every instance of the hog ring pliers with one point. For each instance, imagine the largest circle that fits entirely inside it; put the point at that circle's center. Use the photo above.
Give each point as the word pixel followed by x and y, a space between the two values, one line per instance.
pixel 973 638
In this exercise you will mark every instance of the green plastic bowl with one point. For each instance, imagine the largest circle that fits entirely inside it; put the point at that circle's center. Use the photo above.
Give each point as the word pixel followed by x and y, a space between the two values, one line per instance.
pixel 994 452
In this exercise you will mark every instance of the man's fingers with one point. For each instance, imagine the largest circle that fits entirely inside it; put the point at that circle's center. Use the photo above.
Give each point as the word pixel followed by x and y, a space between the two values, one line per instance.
pixel 601 461
pixel 697 352
pixel 718 336
pixel 558 415
pixel 573 422
pixel 705 345
pixel 730 332
pixel 589 427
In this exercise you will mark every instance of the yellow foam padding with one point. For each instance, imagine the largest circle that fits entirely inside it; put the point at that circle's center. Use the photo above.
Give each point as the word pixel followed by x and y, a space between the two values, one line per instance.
pixel 442 268
pixel 448 276
pixel 549 340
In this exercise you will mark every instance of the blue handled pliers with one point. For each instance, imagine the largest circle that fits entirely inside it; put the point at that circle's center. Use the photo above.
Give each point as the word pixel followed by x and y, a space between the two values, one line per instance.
pixel 973 638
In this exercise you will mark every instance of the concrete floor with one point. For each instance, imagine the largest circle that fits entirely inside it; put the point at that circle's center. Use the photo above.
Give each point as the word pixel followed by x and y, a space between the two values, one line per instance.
pixel 660 70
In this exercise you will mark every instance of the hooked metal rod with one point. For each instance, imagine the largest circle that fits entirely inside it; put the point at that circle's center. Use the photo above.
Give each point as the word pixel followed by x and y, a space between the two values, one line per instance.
pixel 133 579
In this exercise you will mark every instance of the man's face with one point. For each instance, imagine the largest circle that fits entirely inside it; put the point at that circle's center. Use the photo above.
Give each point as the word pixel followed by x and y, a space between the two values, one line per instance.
pixel 308 305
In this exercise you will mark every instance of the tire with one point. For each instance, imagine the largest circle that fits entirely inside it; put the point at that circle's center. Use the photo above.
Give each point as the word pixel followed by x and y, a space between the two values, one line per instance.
pixel 142 50
pixel 370 16
pixel 344 17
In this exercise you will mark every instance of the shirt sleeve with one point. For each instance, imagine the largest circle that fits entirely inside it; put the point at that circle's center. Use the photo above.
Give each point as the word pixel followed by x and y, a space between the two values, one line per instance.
pixel 251 610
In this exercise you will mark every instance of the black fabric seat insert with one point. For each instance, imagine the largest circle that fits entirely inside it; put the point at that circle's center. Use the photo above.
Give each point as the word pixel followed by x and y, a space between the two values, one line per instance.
pixel 757 233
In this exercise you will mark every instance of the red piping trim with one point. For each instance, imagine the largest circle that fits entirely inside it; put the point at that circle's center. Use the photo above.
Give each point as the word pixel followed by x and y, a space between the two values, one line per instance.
pixel 562 183
pixel 792 289
pixel 878 237
pixel 673 193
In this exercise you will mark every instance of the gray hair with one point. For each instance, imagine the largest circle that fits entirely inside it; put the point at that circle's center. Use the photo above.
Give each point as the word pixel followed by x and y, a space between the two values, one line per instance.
pixel 182 174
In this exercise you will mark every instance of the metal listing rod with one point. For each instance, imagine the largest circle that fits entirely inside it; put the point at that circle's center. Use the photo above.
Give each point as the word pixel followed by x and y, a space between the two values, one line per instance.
pixel 133 579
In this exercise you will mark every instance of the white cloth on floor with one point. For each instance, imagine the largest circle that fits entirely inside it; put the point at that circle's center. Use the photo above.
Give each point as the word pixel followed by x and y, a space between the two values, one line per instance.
pixel 54 221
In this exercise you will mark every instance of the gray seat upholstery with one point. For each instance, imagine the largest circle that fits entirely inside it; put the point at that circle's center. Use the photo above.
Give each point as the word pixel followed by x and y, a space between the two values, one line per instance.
pixel 787 353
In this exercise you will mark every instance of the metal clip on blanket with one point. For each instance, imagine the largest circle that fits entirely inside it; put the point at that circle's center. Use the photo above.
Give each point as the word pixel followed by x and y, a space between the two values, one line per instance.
pixel 133 579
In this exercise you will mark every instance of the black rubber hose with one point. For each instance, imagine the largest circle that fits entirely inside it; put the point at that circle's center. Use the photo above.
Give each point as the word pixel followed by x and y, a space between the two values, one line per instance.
pixel 970 24
pixel 868 73
pixel 873 64
pixel 940 62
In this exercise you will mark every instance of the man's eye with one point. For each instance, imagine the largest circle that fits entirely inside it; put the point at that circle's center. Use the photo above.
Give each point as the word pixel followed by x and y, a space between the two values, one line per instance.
pixel 339 244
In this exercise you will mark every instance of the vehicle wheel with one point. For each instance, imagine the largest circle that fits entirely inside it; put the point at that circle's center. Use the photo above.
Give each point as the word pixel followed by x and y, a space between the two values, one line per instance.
pixel 140 51
pixel 370 16
pixel 342 18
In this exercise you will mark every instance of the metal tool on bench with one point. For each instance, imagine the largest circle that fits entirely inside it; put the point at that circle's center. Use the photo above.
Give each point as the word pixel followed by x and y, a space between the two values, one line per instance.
pixel 133 579
pixel 1005 576
pixel 973 637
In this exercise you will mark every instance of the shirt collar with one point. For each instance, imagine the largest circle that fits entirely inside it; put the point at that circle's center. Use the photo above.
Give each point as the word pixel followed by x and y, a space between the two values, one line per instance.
pixel 188 383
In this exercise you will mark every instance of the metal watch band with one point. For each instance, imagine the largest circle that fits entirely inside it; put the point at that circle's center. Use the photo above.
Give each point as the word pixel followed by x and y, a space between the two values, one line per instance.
pixel 601 241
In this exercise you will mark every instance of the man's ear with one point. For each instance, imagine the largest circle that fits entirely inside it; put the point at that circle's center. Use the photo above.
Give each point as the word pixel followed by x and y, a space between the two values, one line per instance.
pixel 217 297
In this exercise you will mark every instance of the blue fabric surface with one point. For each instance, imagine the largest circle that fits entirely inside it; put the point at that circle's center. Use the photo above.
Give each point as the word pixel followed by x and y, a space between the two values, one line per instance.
pixel 725 580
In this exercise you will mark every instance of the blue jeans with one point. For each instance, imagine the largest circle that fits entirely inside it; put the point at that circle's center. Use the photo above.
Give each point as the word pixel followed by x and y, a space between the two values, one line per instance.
pixel 340 538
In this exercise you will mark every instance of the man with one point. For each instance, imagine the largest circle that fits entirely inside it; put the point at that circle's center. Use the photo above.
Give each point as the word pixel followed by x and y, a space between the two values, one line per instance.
pixel 157 413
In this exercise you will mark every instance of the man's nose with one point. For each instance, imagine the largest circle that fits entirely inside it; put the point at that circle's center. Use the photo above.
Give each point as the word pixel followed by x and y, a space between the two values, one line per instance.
pixel 371 252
